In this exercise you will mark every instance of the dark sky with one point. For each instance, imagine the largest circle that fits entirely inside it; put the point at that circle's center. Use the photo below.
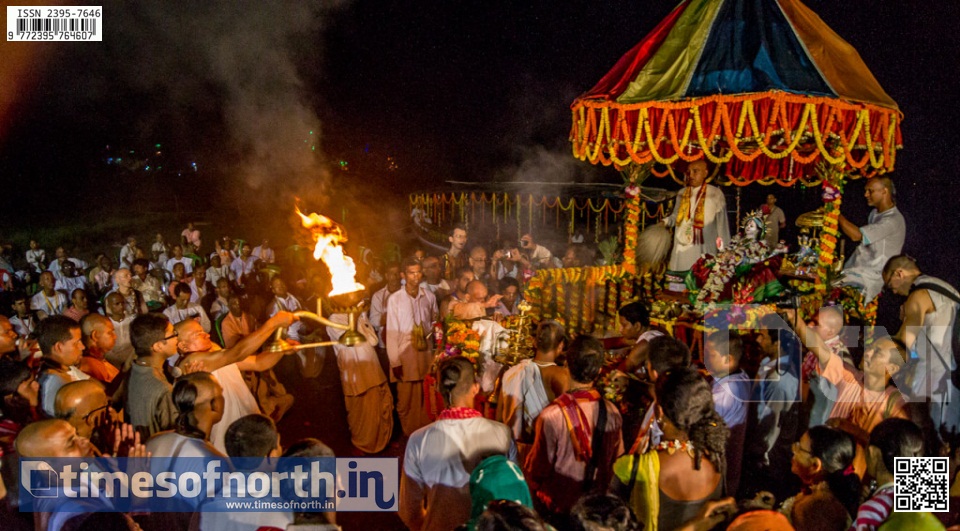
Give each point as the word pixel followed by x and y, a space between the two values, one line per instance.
pixel 462 89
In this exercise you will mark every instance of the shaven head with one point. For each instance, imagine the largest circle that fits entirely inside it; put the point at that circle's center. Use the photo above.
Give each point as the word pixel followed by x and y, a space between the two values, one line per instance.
pixel 77 400
pixel 93 322
pixel 900 261
pixel 477 291
pixel 50 438
pixel 830 322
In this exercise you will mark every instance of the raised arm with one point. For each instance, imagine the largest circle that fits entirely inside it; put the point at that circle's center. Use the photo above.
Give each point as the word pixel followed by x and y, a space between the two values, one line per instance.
pixel 248 345
pixel 810 339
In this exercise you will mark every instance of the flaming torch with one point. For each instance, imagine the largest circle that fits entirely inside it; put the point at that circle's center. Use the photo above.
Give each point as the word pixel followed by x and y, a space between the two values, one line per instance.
pixel 347 293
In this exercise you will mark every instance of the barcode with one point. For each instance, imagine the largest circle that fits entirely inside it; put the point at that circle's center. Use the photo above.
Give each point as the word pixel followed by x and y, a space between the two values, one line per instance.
pixel 921 484
pixel 55 23
pixel 25 25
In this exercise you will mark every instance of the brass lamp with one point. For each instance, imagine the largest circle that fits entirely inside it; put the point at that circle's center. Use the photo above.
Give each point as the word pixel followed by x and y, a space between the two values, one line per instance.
pixel 348 303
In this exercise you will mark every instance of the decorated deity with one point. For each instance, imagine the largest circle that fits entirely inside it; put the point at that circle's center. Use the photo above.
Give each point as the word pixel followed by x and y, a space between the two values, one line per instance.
pixel 743 272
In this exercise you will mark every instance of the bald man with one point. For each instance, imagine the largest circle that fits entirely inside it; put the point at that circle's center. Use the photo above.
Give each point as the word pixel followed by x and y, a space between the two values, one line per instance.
pixel 84 405
pixel 818 393
pixel 476 303
pixel 880 239
pixel 226 364
pixel 99 337
pixel 55 438
pixel 700 216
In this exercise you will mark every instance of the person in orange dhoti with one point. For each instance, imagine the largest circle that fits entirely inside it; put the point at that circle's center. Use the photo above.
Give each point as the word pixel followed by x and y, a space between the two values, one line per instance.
pixel 365 390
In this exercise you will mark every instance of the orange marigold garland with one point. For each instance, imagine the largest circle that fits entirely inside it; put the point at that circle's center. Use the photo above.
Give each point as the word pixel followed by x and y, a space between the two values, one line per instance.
pixel 830 233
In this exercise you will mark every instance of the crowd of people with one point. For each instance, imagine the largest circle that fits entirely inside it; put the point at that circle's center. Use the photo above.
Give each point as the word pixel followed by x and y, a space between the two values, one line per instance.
pixel 160 352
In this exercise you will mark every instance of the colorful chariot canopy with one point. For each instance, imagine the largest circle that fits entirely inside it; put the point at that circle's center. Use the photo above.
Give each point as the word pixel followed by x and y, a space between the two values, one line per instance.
pixel 762 85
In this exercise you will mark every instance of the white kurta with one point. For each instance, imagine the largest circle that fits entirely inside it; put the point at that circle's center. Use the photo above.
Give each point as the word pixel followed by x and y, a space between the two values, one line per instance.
pixel 685 252
pixel 883 237
pixel 403 313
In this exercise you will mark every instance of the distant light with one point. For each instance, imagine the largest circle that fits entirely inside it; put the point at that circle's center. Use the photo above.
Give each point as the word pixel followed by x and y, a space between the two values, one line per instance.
pixel 158 146
pixel 147 168
pixel 311 132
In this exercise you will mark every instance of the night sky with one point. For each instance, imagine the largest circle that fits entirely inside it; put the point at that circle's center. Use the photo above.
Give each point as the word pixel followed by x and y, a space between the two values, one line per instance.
pixel 462 90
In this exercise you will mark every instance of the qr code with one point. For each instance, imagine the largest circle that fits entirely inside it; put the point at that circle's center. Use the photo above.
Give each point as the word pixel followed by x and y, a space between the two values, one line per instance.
pixel 920 485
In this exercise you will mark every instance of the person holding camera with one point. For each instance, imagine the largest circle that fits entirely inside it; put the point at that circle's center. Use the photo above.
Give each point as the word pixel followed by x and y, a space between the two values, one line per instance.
pixel 540 256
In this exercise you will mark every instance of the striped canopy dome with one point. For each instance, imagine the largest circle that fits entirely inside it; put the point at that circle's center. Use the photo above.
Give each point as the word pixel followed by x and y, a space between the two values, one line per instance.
pixel 761 85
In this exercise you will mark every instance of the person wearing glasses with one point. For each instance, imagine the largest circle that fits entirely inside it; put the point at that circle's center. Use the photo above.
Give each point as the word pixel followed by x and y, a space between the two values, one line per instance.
pixel 823 460
pixel 929 330
pixel 149 404
pixel 881 238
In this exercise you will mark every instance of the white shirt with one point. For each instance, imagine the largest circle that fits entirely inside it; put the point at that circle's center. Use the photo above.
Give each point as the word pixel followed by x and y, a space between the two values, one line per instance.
pixel 378 309
pixel 444 454
pixel 287 304
pixel 24 326
pixel 443 285
pixel 214 274
pixel 51 305
pixel 127 255
pixel 36 258
pixel 192 310
pixel 55 265
pixel 883 237
pixel 197 293
pixel 241 267
pixel 403 313
pixel 68 284
pixel 187 264
pixel 264 253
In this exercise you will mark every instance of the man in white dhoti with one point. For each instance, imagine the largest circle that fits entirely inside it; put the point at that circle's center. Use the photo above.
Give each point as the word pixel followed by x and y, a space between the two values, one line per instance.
pixel 700 217
pixel 880 239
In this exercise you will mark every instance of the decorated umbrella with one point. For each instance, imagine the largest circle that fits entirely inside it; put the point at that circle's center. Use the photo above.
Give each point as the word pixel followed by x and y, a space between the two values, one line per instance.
pixel 762 87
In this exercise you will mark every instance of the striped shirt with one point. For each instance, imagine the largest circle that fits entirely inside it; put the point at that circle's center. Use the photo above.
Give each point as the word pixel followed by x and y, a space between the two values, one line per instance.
pixel 874 511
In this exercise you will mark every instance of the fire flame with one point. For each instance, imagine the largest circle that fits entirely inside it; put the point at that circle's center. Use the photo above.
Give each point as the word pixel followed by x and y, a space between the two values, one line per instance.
pixel 328 235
